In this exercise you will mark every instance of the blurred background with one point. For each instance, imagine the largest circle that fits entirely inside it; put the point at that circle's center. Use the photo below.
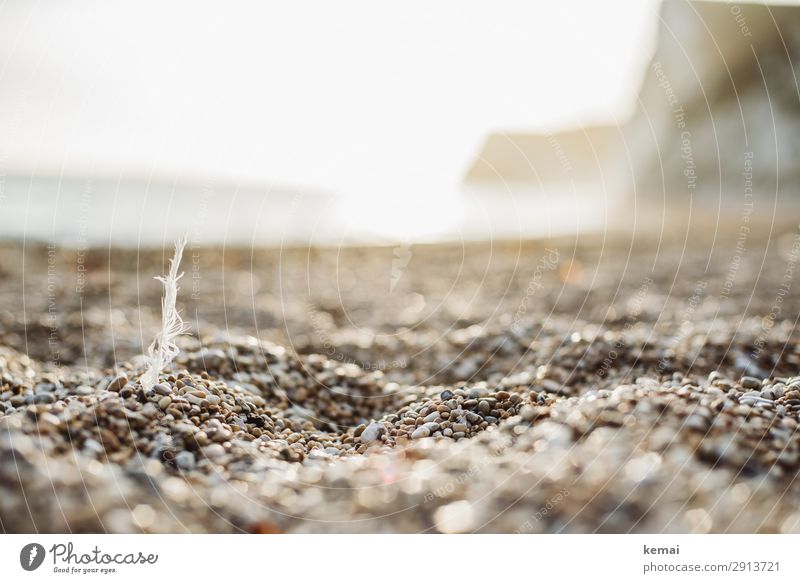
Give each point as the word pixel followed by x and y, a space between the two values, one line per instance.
pixel 312 122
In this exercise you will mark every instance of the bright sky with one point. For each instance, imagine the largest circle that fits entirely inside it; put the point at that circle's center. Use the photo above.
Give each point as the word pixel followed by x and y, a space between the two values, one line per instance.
pixel 375 102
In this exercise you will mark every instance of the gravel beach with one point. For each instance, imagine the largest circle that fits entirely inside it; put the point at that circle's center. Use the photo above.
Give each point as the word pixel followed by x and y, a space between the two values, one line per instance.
pixel 578 386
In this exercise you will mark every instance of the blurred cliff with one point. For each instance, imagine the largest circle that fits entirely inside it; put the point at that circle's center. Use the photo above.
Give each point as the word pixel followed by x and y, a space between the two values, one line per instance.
pixel 716 124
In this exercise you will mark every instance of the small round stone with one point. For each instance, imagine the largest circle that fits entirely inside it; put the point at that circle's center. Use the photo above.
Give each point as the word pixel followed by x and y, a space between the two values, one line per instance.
pixel 421 432
pixel 117 383
pixel 184 460
pixel 372 432
pixel 750 382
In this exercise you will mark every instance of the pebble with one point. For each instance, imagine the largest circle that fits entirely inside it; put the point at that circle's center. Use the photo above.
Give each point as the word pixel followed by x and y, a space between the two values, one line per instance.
pixel 421 432
pixel 185 461
pixel 456 517
pixel 696 422
pixel 43 398
pixel 372 432
pixel 194 399
pixel 117 383
pixel 750 382
pixel 752 400
pixel 214 451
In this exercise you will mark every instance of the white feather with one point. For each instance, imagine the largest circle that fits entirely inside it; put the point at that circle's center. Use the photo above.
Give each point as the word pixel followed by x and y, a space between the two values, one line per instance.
pixel 163 349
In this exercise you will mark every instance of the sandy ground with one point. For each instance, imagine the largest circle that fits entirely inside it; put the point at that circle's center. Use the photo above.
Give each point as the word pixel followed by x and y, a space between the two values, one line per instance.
pixel 561 386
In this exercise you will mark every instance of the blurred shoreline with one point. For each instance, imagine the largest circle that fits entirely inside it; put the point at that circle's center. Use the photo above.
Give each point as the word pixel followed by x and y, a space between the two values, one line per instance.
pixel 96 212
pixel 103 213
